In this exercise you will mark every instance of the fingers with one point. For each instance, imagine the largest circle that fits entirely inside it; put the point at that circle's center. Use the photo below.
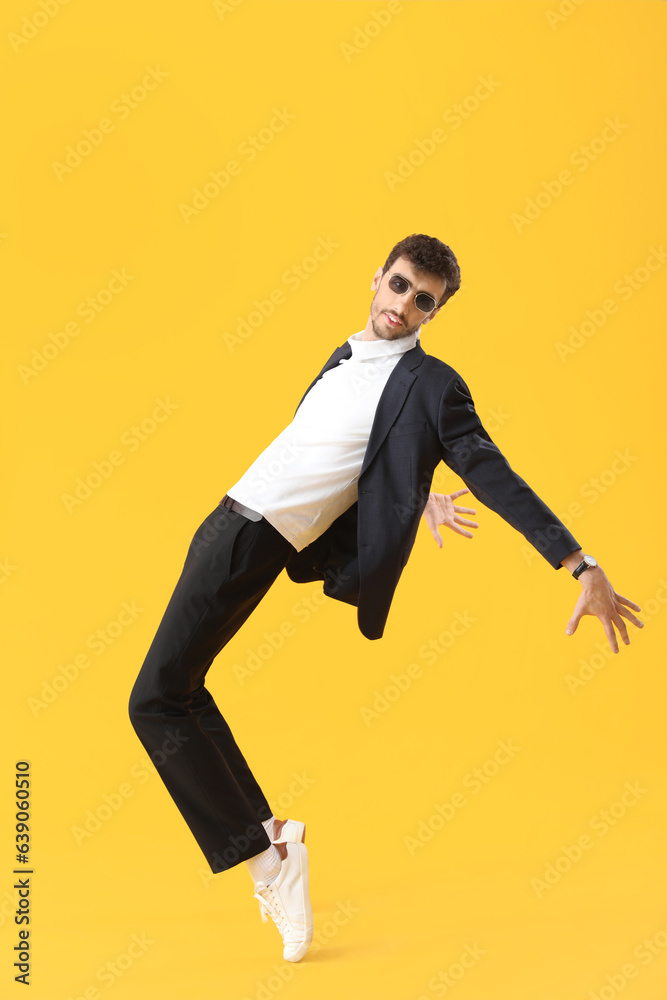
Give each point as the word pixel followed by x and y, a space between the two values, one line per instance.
pixel 436 534
pixel 620 625
pixel 464 520
pixel 454 525
pixel 461 531
pixel 629 615
pixel 440 510
pixel 459 493
pixel 609 632
pixel 624 600
pixel 610 613
pixel 571 626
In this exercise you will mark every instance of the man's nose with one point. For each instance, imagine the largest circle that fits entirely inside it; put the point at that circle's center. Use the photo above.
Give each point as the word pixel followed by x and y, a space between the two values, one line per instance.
pixel 401 303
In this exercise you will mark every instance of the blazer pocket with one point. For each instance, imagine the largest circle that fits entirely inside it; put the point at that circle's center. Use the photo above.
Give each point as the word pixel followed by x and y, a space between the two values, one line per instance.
pixel 418 427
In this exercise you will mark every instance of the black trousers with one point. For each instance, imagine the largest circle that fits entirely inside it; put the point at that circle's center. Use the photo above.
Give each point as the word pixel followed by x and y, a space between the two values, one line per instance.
pixel 230 565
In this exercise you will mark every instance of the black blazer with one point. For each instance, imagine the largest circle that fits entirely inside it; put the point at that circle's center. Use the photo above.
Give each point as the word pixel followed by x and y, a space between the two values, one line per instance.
pixel 425 415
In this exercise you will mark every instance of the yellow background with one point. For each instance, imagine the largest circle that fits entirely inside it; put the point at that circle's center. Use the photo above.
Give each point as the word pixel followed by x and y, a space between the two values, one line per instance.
pixel 391 920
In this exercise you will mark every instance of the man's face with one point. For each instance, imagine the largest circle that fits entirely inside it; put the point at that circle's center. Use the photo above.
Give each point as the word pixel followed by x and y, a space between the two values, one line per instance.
pixel 388 305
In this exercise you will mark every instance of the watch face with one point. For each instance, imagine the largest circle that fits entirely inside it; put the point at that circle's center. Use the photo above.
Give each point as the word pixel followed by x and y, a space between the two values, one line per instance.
pixel 590 561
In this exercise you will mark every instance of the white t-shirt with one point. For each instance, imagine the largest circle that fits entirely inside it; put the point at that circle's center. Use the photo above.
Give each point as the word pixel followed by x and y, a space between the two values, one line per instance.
pixel 308 475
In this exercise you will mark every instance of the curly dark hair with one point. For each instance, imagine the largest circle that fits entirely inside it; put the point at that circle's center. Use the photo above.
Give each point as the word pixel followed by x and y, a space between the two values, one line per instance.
pixel 428 255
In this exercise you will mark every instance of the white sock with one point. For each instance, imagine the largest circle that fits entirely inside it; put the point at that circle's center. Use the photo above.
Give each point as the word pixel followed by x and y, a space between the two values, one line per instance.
pixel 268 826
pixel 265 867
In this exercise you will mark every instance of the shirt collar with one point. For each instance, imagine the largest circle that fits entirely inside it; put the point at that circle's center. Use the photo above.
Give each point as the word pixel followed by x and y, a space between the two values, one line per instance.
pixel 363 350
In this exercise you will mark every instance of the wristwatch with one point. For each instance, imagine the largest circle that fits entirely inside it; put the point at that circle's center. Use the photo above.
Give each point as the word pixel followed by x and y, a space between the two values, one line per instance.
pixel 585 563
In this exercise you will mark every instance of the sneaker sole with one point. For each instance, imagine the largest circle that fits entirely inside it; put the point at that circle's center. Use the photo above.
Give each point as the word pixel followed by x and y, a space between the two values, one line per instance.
pixel 305 883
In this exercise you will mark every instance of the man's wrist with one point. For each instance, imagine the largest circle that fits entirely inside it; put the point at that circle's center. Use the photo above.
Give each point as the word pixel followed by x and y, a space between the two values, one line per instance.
pixel 572 561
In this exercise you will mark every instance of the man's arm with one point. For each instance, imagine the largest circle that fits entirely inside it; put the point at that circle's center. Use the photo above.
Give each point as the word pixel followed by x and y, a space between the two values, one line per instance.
pixel 469 451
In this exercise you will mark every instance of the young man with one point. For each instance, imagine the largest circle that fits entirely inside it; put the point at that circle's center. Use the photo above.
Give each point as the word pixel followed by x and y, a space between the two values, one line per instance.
pixel 338 497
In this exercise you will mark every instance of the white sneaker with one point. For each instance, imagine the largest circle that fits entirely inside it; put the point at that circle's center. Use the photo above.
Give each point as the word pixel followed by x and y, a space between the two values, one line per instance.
pixel 293 832
pixel 287 902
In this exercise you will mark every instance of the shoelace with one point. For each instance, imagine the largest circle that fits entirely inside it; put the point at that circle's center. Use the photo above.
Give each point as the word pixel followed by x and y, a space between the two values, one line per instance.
pixel 271 907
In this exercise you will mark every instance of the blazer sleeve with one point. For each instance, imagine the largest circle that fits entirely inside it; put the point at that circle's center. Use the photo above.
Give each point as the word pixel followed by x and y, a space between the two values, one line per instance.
pixel 469 451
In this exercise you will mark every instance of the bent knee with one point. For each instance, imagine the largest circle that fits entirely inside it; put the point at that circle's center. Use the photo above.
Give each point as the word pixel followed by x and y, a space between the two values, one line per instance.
pixel 139 705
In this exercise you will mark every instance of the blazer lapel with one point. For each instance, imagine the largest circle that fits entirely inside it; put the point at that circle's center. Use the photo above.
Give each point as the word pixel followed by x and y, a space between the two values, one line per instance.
pixel 391 401
pixel 392 398
pixel 341 352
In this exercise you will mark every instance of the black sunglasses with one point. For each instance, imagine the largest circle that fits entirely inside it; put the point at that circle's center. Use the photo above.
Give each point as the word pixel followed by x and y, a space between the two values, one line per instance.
pixel 424 302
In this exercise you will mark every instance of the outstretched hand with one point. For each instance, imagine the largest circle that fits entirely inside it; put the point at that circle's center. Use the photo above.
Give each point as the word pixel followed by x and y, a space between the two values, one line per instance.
pixel 599 598
pixel 441 509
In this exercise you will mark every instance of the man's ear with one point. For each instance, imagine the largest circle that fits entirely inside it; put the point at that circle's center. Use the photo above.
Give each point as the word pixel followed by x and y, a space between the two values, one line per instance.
pixel 376 278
